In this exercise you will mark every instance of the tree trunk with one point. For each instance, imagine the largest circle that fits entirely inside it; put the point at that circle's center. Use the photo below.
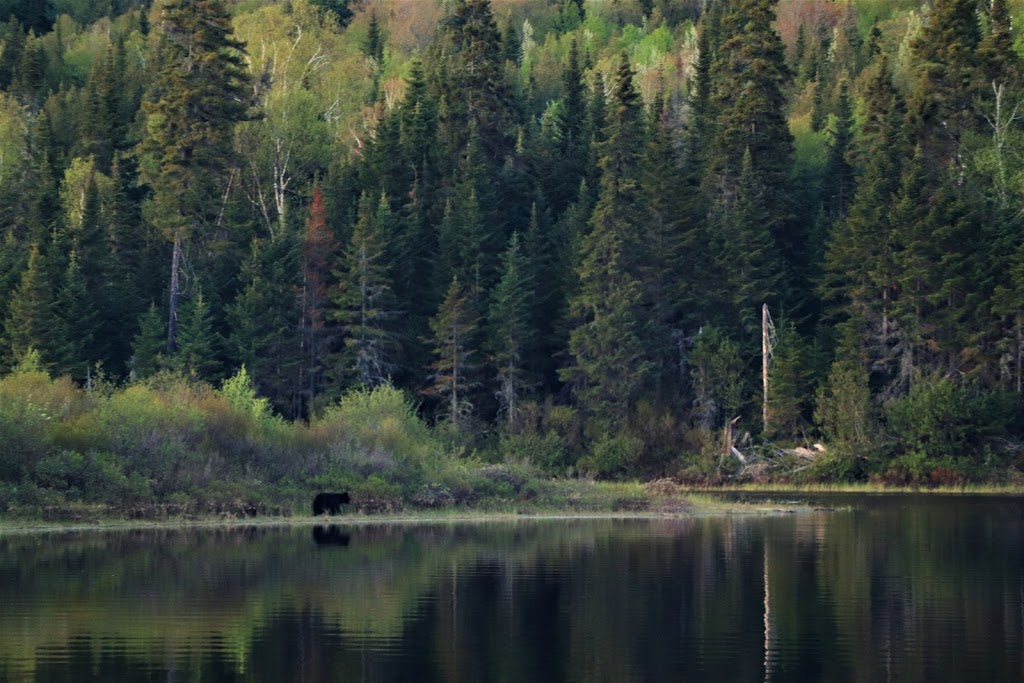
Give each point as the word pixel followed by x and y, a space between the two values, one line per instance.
pixel 172 317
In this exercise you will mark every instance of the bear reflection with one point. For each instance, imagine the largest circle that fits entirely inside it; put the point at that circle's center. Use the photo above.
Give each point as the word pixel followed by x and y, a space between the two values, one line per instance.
pixel 330 534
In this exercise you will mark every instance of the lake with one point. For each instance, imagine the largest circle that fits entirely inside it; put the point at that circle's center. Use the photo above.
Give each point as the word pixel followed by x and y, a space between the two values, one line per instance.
pixel 907 588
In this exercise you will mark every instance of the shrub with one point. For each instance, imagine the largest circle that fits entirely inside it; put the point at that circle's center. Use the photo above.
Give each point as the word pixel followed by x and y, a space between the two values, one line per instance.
pixel 375 432
pixel 32 409
pixel 944 419
pixel 612 455
pixel 547 451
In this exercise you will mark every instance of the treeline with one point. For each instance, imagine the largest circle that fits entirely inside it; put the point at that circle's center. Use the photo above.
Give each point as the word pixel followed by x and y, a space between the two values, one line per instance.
pixel 553 223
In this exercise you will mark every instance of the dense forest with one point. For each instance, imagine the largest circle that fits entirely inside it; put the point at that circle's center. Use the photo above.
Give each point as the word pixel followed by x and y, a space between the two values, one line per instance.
pixel 592 237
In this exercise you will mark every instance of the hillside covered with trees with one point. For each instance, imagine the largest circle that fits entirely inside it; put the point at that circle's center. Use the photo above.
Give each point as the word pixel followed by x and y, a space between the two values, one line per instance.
pixel 532 232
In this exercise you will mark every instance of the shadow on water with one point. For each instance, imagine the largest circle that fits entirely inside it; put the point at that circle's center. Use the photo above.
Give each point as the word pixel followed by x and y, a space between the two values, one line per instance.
pixel 330 535
pixel 896 588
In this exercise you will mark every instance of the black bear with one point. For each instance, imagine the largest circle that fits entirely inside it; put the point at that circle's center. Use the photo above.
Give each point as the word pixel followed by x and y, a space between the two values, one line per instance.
pixel 329 503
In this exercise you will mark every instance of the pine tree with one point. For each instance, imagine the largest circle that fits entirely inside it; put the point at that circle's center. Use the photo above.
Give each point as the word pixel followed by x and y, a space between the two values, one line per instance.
pixel 30 320
pixel 77 324
pixel 198 95
pixel 319 251
pixel 197 342
pixel 148 345
pixel 509 331
pixel 941 107
pixel 839 174
pixel 456 366
pixel 749 82
pixel 264 322
pixel 364 306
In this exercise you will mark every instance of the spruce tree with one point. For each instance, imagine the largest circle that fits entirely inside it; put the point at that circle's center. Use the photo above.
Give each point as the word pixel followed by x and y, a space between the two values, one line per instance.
pixel 30 319
pixel 749 82
pixel 364 306
pixel 941 110
pixel 77 324
pixel 198 95
pixel 456 365
pixel 839 174
pixel 316 335
pixel 509 331
pixel 198 342
pixel 265 326
pixel 149 344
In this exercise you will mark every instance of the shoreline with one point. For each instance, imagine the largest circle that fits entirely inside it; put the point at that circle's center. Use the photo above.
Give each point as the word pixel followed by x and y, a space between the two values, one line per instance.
pixel 689 503
pixel 14 526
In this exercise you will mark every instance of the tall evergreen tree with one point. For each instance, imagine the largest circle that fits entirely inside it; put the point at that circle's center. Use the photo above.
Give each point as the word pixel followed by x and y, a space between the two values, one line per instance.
pixel 941 108
pixel 148 344
pixel 509 331
pixel 77 324
pixel 319 253
pixel 456 366
pixel 198 342
pixel 364 306
pixel 30 319
pixel 197 97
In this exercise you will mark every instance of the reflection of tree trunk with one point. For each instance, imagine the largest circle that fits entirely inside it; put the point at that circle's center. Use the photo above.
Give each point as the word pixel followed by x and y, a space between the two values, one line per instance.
pixel 172 317
pixel 769 636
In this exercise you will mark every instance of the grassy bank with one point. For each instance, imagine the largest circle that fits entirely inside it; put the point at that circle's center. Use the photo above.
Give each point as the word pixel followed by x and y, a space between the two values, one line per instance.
pixel 176 449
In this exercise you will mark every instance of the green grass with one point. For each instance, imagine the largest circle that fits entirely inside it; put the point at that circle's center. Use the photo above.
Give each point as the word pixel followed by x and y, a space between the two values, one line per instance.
pixel 868 487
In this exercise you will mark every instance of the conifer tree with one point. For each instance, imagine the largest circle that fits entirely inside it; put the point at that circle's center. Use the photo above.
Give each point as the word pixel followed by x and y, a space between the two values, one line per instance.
pixel 456 366
pixel 839 174
pixel 264 322
pixel 790 386
pixel 77 324
pixel 364 306
pixel 315 334
pixel 30 319
pixel 747 254
pixel 941 109
pixel 509 331
pixel 859 258
pixel 749 80
pixel 148 345
pixel 197 97
pixel 474 87
pixel 197 350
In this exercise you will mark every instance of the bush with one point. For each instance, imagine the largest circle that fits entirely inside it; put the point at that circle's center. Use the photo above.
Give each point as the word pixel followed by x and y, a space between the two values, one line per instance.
pixel 32 410
pixel 941 419
pixel 157 435
pixel 375 433
pixel 612 456
pixel 547 451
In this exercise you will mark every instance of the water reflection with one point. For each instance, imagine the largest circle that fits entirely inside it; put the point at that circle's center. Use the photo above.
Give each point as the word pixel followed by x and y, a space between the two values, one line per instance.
pixel 904 590
pixel 330 534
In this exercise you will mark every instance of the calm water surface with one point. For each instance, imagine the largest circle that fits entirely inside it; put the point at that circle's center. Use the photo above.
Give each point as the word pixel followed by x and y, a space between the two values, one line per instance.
pixel 887 588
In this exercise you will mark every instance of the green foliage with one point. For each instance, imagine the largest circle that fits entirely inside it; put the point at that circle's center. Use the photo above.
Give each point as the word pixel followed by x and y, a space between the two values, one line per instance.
pixel 612 184
pixel 716 371
pixel 940 419
pixel 844 411
pixel 240 393
pixel 375 432
pixel 612 456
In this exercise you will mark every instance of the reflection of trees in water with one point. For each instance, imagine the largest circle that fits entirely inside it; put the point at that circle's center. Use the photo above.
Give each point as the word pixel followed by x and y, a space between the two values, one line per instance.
pixel 853 595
